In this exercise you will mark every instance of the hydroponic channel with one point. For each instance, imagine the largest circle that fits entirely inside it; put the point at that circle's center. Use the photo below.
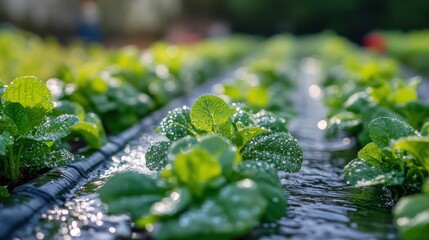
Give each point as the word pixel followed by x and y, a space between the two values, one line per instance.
pixel 321 205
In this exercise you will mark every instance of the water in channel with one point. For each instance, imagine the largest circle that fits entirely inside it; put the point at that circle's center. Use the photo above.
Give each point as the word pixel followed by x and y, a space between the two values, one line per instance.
pixel 321 204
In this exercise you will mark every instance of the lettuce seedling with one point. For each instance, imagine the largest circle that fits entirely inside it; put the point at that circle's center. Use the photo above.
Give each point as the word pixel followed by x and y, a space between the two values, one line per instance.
pixel 89 128
pixel 28 131
pixel 411 215
pixel 204 192
pixel 397 156
pixel 262 136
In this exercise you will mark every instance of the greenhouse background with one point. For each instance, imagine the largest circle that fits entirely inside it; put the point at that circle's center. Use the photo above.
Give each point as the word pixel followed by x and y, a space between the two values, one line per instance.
pixel 214 119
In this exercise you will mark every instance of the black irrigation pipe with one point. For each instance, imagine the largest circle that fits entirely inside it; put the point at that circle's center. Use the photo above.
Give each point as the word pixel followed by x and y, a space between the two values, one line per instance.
pixel 30 200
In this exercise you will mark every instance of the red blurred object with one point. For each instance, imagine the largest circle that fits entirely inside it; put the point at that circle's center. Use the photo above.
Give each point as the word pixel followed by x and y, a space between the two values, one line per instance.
pixel 375 42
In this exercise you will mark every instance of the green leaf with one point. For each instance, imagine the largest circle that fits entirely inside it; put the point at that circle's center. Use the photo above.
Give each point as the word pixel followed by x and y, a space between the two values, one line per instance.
pixel 69 107
pixel 269 186
pixel 54 128
pixel 369 115
pixel 91 130
pixel 132 193
pixel 196 169
pixel 358 102
pixel 6 140
pixel 29 91
pixel 279 149
pixel 270 121
pixel 384 129
pixel 175 202
pixel 242 116
pixel 258 96
pixel 222 151
pixel 213 219
pixel 425 129
pixel 416 146
pixel 246 133
pixel 177 124
pixel 18 114
pixel 182 145
pixel 209 113
pixel 372 154
pixel 4 192
pixel 37 155
pixel 156 156
pixel 347 121
pixel 415 112
pixel 412 216
pixel 226 129
pixel 7 124
pixel 425 188
pixel 405 93
pixel 360 173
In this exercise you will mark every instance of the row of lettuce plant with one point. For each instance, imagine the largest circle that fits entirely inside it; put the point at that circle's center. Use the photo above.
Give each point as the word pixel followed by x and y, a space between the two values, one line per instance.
pixel 93 89
pixel 216 175
pixel 368 97
pixel 119 85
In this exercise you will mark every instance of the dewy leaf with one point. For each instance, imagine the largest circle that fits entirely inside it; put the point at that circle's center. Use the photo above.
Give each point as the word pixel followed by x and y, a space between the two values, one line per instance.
pixel 5 140
pixel 209 113
pixel 279 149
pixel 25 119
pixel 54 128
pixel 196 169
pixel 181 145
pixel 29 91
pixel 268 184
pixel 384 129
pixel 177 124
pixel 213 217
pixel 133 193
pixel 246 133
pixel 221 151
pixel 416 112
pixel 176 201
pixel 372 154
pixel 242 116
pixel 90 133
pixel 65 106
pixel 416 146
pixel 412 216
pixel 17 113
pixel 7 124
pixel 360 173
pixel 156 156
pixel 270 121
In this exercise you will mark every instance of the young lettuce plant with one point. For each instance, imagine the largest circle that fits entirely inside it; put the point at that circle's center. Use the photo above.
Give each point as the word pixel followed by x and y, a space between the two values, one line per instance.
pixel 204 192
pixel 397 156
pixel 411 215
pixel 89 128
pixel 28 131
pixel 261 137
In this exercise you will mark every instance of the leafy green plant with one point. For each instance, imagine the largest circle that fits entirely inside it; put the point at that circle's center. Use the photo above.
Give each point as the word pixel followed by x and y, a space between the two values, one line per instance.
pixel 89 128
pixel 261 136
pixel 29 132
pixel 397 156
pixel 204 192
pixel 412 215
